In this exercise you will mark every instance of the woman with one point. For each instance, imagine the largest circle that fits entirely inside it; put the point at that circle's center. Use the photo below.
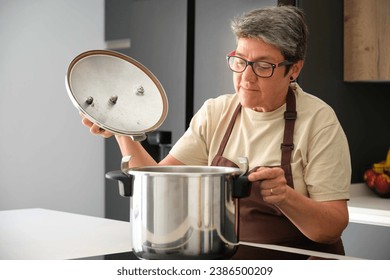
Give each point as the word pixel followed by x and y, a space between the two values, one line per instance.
pixel 298 153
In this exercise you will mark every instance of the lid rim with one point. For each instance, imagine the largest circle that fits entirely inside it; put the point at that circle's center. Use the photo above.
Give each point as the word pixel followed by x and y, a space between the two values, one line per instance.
pixel 148 74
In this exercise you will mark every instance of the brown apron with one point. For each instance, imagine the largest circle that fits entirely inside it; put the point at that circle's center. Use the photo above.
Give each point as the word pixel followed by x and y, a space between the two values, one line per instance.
pixel 261 222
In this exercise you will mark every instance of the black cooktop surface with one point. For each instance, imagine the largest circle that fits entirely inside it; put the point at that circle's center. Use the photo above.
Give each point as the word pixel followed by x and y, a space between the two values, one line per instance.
pixel 253 253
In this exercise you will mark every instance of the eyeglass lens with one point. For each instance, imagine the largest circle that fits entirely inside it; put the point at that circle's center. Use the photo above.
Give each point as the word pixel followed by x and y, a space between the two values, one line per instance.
pixel 260 68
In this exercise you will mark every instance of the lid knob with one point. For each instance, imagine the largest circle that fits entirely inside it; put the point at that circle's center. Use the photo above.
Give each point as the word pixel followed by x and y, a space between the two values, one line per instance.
pixel 89 100
pixel 140 91
pixel 113 99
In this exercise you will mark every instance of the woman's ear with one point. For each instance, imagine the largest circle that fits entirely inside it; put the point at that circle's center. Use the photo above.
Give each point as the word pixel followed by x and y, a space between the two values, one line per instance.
pixel 295 70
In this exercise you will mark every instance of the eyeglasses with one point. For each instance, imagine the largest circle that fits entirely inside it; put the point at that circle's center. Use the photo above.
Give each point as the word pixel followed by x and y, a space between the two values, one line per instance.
pixel 260 68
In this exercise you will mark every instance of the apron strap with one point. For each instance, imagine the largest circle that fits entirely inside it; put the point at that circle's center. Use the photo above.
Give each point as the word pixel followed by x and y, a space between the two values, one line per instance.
pixel 290 115
pixel 229 130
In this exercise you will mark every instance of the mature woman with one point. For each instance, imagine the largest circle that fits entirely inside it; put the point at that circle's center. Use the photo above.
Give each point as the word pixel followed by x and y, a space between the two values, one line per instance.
pixel 298 153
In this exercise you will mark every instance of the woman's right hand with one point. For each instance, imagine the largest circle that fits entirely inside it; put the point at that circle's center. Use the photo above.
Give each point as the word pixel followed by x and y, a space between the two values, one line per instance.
pixel 95 129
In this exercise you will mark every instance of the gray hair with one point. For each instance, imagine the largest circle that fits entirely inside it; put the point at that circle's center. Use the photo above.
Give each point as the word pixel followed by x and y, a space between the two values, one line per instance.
pixel 283 27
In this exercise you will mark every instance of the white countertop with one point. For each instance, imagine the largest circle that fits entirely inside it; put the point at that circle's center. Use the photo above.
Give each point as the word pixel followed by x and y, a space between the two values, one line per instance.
pixel 365 207
pixel 42 234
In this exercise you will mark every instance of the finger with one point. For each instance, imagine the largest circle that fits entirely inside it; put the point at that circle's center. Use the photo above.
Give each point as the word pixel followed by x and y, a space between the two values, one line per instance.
pixel 269 192
pixel 102 132
pixel 263 173
pixel 95 129
pixel 86 122
pixel 106 134
pixel 255 176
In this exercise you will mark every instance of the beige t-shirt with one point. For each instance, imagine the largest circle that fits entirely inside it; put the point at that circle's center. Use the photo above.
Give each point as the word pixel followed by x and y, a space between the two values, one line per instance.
pixel 320 160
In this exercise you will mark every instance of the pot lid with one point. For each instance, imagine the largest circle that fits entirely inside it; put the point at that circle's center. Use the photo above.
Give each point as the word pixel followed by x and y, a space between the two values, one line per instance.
pixel 117 93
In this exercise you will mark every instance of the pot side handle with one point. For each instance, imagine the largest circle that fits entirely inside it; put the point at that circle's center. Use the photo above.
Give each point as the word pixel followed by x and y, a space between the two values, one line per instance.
pixel 125 182
pixel 241 187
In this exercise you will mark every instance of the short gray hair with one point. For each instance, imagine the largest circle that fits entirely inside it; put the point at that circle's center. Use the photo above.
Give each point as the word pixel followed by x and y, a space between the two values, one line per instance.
pixel 283 27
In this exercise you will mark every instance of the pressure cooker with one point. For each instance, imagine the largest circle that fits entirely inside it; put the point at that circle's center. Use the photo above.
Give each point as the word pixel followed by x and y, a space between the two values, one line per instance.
pixel 176 212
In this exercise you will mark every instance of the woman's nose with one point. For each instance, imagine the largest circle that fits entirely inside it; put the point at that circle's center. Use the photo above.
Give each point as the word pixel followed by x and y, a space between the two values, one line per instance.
pixel 248 74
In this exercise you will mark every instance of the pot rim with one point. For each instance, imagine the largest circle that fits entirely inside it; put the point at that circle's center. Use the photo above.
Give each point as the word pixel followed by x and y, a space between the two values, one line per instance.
pixel 183 170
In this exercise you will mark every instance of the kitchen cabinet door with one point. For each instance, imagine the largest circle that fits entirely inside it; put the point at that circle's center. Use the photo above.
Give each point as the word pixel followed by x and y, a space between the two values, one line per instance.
pixel 366 40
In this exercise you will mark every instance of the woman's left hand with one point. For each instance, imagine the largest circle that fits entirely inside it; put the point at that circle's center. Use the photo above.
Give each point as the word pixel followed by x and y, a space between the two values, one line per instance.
pixel 320 221
pixel 272 183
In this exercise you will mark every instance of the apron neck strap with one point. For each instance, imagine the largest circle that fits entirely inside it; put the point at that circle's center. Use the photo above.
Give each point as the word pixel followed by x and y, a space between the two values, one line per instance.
pixel 290 115
pixel 228 130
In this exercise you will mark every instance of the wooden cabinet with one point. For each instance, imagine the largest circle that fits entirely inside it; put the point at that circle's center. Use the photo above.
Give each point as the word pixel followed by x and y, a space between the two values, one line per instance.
pixel 366 40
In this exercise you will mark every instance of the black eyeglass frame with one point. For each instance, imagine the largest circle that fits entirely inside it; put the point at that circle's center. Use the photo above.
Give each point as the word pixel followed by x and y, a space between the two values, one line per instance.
pixel 273 65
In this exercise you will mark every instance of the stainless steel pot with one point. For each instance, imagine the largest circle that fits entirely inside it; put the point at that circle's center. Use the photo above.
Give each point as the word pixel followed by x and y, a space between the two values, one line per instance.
pixel 183 212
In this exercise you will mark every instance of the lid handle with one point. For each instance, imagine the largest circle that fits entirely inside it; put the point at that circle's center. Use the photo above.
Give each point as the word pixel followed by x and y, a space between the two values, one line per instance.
pixel 138 138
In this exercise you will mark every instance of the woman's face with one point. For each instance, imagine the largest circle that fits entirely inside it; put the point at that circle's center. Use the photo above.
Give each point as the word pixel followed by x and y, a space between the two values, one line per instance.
pixel 257 93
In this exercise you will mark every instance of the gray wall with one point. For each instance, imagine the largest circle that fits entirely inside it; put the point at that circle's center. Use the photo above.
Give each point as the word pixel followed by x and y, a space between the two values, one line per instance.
pixel 47 158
